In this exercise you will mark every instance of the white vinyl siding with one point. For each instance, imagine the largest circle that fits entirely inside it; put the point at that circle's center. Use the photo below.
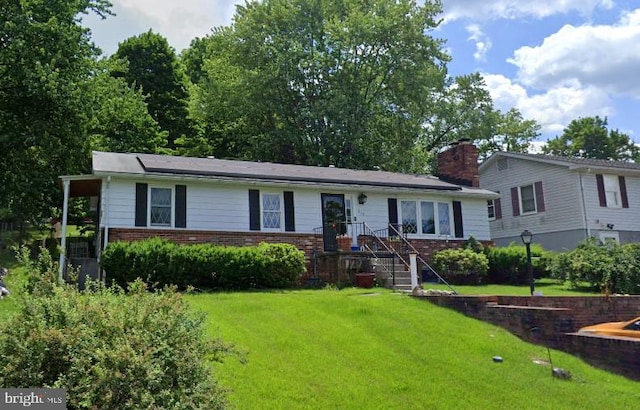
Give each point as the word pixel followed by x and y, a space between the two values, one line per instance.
pixel 562 193
pixel 219 206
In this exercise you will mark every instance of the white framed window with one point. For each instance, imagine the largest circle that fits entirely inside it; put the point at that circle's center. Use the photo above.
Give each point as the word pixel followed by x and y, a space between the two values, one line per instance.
pixel 425 217
pixel 491 209
pixel 160 206
pixel 271 211
pixel 612 191
pixel 609 237
pixel 348 209
pixel 527 199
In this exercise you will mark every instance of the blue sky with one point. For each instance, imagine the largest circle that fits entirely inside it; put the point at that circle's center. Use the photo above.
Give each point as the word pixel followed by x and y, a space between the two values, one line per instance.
pixel 554 60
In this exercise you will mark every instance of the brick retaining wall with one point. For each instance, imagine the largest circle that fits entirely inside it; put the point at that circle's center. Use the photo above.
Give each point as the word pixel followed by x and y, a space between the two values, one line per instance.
pixel 553 321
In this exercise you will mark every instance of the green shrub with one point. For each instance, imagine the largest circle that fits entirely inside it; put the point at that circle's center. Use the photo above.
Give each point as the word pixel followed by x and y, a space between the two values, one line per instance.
pixel 204 266
pixel 461 266
pixel 611 268
pixel 111 349
pixel 508 264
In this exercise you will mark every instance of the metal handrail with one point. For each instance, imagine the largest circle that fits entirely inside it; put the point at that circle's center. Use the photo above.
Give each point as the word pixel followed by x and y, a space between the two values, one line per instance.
pixel 421 259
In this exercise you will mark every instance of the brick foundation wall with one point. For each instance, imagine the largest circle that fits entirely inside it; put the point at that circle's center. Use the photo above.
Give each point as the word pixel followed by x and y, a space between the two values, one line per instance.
pixel 555 319
pixel 326 269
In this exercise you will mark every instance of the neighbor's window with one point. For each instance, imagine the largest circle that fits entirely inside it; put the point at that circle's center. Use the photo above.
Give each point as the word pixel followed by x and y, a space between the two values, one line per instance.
pixel 491 209
pixel 160 203
pixel 612 191
pixel 271 211
pixel 434 217
pixel 527 199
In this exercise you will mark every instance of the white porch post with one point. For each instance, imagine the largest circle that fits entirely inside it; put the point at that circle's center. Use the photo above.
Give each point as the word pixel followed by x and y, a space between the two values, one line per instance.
pixel 63 239
pixel 414 270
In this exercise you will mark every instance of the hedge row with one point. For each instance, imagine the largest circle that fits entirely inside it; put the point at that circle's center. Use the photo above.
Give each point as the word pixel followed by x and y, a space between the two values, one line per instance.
pixel 203 266
pixel 474 264
pixel 610 269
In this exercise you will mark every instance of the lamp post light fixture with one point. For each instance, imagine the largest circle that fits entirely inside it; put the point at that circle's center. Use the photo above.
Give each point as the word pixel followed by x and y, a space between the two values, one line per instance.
pixel 526 237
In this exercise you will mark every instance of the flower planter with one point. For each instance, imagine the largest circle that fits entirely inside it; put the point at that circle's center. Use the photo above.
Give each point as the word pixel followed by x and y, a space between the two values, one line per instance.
pixel 344 243
pixel 365 280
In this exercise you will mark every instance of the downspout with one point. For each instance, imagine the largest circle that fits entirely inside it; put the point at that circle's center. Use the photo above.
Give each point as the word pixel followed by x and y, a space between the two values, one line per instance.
pixel 63 240
pixel 584 207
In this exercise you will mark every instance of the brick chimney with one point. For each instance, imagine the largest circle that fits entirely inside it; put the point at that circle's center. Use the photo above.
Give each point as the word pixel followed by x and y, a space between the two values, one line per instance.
pixel 459 164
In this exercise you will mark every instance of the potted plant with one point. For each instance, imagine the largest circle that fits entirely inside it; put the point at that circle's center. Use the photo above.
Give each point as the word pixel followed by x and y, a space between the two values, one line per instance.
pixel 366 277
pixel 344 242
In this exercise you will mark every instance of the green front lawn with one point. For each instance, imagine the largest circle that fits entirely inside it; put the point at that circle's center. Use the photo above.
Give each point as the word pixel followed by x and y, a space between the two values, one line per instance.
pixel 377 349
pixel 548 287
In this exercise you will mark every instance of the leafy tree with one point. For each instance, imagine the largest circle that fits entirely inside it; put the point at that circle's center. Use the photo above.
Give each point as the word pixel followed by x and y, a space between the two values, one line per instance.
pixel 510 132
pixel 152 65
pixel 350 83
pixel 119 120
pixel 45 56
pixel 589 138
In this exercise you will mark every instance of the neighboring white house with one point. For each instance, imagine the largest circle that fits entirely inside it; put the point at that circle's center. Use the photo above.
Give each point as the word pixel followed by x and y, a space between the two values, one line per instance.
pixel 561 200
pixel 192 200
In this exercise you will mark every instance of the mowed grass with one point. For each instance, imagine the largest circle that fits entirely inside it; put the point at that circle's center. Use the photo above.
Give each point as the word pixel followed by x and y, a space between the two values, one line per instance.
pixel 548 287
pixel 356 349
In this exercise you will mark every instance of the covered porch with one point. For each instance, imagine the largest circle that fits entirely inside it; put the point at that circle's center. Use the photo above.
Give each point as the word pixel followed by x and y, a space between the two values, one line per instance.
pixel 82 252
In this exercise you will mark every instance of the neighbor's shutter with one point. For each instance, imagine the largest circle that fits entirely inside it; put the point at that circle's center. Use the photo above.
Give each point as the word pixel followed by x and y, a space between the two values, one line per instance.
pixel 392 204
pixel 539 197
pixel 497 208
pixel 457 219
pixel 289 214
pixel 141 204
pixel 181 206
pixel 601 195
pixel 623 192
pixel 515 201
pixel 254 209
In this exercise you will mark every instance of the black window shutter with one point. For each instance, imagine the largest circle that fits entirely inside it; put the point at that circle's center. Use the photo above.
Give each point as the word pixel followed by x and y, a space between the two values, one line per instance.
pixel 457 219
pixel 497 208
pixel 141 204
pixel 393 215
pixel 289 214
pixel 539 197
pixel 623 192
pixel 601 195
pixel 254 209
pixel 181 206
pixel 515 201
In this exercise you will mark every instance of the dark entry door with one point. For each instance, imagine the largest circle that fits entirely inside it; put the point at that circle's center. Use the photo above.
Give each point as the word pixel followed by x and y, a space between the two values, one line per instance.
pixel 334 220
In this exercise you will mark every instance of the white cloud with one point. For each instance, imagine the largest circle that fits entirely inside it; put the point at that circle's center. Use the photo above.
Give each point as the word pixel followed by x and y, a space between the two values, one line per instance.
pixel 483 42
pixel 552 109
pixel 512 9
pixel 600 56
pixel 179 21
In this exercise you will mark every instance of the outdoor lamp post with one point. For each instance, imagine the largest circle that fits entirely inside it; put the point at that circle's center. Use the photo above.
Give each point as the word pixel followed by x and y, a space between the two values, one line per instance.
pixel 526 237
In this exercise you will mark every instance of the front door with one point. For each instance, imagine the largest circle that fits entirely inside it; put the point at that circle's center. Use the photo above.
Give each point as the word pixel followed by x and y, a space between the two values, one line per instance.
pixel 334 220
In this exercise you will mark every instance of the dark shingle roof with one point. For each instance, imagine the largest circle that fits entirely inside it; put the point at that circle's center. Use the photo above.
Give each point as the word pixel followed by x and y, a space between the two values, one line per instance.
pixel 571 162
pixel 111 163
